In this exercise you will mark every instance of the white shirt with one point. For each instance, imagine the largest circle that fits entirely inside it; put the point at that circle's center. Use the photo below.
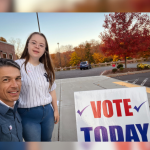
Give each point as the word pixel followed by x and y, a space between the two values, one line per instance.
pixel 7 105
pixel 35 87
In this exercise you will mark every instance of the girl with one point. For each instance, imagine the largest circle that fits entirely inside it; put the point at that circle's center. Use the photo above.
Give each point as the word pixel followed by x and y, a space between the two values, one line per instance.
pixel 38 90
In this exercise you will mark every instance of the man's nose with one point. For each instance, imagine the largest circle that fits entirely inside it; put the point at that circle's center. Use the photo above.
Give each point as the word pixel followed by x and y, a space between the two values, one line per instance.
pixel 14 83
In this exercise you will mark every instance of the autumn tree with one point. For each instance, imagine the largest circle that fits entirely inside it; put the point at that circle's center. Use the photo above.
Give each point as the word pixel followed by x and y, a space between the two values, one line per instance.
pixel 65 55
pixel 66 58
pixel 18 46
pixel 94 46
pixel 88 54
pixel 75 59
pixel 98 57
pixel 52 56
pixel 125 34
pixel 3 39
pixel 57 59
pixel 115 58
pixel 80 51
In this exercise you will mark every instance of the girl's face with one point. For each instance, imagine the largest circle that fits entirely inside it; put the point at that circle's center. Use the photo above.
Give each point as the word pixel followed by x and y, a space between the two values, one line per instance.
pixel 36 46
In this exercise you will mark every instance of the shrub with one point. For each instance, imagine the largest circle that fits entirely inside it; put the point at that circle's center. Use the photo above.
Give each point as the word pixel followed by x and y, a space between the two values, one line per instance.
pixel 138 60
pixel 119 66
pixel 146 66
pixel 68 69
pixel 138 66
pixel 114 70
pixel 143 66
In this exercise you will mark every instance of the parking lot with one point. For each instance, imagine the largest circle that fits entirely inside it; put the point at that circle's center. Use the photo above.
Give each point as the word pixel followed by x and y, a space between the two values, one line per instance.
pixel 142 79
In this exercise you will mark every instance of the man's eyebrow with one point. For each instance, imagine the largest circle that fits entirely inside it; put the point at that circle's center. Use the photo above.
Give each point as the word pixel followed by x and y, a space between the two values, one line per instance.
pixel 6 77
pixel 18 76
pixel 9 77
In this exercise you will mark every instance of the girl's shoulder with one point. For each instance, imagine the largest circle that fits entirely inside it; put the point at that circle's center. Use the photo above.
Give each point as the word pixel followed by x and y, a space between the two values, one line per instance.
pixel 20 61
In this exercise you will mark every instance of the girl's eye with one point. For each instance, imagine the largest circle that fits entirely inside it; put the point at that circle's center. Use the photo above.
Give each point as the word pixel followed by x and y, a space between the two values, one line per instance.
pixel 33 43
pixel 41 46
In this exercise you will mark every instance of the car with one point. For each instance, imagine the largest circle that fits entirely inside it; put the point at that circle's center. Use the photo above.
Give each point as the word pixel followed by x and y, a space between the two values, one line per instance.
pixel 85 65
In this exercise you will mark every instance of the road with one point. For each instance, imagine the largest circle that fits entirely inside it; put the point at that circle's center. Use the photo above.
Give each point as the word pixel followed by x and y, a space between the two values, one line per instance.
pixel 85 73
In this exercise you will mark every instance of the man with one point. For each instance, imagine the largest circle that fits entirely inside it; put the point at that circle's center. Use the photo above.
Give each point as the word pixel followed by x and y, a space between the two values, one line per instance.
pixel 6 5
pixel 10 86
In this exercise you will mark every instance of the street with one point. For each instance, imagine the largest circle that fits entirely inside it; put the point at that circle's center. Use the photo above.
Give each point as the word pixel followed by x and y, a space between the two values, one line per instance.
pixel 87 73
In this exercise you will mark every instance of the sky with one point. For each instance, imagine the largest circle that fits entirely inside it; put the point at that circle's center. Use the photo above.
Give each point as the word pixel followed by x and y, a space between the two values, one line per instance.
pixel 63 28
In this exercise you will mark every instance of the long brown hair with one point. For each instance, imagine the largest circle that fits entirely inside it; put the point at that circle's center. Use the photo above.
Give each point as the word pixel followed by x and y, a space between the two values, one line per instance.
pixel 45 59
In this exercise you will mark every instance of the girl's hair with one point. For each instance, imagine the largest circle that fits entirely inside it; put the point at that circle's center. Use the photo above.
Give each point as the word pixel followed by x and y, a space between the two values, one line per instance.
pixel 45 59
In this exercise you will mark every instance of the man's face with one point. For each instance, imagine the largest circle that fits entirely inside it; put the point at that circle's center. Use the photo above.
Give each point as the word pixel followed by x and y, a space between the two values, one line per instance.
pixel 10 84
pixel 5 5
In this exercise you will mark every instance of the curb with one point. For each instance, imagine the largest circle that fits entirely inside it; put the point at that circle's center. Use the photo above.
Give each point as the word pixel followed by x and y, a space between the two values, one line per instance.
pixel 103 72
pixel 127 73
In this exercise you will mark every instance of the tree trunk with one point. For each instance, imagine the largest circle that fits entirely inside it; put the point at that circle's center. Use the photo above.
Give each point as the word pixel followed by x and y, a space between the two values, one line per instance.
pixel 125 62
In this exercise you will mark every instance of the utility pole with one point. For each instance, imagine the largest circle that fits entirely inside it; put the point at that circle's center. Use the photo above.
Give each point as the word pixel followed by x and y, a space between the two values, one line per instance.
pixel 59 54
pixel 38 22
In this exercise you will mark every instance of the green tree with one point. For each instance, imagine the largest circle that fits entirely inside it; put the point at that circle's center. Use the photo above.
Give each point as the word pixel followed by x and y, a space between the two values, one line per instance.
pixel 75 59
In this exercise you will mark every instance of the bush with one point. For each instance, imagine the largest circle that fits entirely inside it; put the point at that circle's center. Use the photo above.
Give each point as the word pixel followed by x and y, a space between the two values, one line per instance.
pixel 67 68
pixel 114 70
pixel 143 66
pixel 139 66
pixel 138 60
pixel 119 66
pixel 146 66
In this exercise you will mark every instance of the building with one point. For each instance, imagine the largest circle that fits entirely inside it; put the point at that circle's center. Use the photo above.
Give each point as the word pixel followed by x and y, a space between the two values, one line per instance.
pixel 7 50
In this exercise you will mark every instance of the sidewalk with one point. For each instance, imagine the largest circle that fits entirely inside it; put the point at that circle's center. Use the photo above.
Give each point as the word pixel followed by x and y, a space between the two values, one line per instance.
pixel 65 130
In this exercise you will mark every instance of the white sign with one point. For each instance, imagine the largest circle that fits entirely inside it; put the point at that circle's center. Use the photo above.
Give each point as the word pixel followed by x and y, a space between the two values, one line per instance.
pixel 113 115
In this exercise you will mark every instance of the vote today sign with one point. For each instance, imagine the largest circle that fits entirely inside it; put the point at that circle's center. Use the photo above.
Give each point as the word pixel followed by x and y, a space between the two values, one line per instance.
pixel 113 115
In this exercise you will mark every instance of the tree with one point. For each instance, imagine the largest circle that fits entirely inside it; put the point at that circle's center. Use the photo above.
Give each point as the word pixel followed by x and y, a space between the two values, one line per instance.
pixel 125 34
pixel 98 57
pixel 66 58
pixel 66 48
pixel 80 51
pixel 74 59
pixel 88 54
pixel 18 46
pixel 3 39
